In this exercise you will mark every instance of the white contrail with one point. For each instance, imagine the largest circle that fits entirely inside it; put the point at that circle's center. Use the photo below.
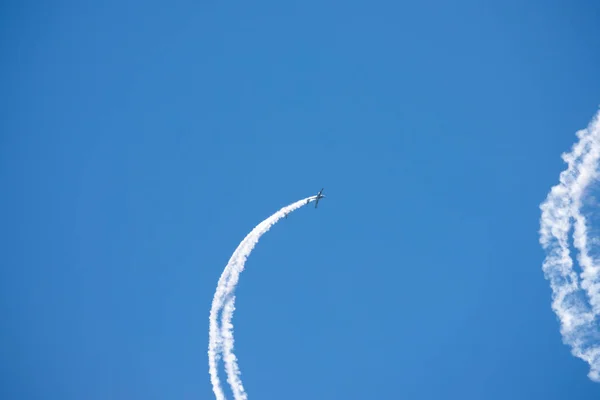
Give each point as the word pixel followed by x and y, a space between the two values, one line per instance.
pixel 576 301
pixel 230 359
pixel 221 340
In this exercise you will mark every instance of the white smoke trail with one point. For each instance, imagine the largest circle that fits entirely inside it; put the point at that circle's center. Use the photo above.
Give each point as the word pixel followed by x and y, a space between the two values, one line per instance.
pixel 230 359
pixel 576 302
pixel 221 340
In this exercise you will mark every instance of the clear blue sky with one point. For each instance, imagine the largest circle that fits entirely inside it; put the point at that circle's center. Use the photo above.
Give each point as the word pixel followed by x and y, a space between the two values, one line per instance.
pixel 141 141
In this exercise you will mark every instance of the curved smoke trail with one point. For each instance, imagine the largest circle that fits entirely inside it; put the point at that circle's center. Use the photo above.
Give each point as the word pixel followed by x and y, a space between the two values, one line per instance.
pixel 576 299
pixel 221 339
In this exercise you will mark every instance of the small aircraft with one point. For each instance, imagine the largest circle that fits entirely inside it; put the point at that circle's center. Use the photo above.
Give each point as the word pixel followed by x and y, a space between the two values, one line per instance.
pixel 320 195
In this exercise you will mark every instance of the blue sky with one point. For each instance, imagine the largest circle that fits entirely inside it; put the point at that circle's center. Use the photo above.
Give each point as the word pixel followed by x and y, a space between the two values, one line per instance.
pixel 140 142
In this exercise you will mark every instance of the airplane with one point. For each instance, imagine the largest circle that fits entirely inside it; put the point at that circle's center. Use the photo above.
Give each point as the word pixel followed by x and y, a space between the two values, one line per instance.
pixel 320 195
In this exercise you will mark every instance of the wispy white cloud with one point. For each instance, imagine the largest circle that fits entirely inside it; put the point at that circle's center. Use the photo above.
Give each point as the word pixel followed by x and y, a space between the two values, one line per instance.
pixel 221 338
pixel 576 297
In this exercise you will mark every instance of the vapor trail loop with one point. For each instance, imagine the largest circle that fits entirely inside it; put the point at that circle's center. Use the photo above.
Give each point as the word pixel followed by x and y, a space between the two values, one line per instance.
pixel 221 339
